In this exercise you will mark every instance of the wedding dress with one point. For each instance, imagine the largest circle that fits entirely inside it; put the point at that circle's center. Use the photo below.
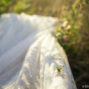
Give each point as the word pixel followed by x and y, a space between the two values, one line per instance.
pixel 30 56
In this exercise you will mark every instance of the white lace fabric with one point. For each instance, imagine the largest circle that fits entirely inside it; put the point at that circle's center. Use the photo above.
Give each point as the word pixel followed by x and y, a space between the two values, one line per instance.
pixel 30 54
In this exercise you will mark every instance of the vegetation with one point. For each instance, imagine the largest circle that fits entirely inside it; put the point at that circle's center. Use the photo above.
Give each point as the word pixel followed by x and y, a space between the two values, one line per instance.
pixel 73 34
pixel 58 68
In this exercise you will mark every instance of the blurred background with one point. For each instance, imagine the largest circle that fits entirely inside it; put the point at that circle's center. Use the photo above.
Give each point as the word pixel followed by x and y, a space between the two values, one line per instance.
pixel 72 34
